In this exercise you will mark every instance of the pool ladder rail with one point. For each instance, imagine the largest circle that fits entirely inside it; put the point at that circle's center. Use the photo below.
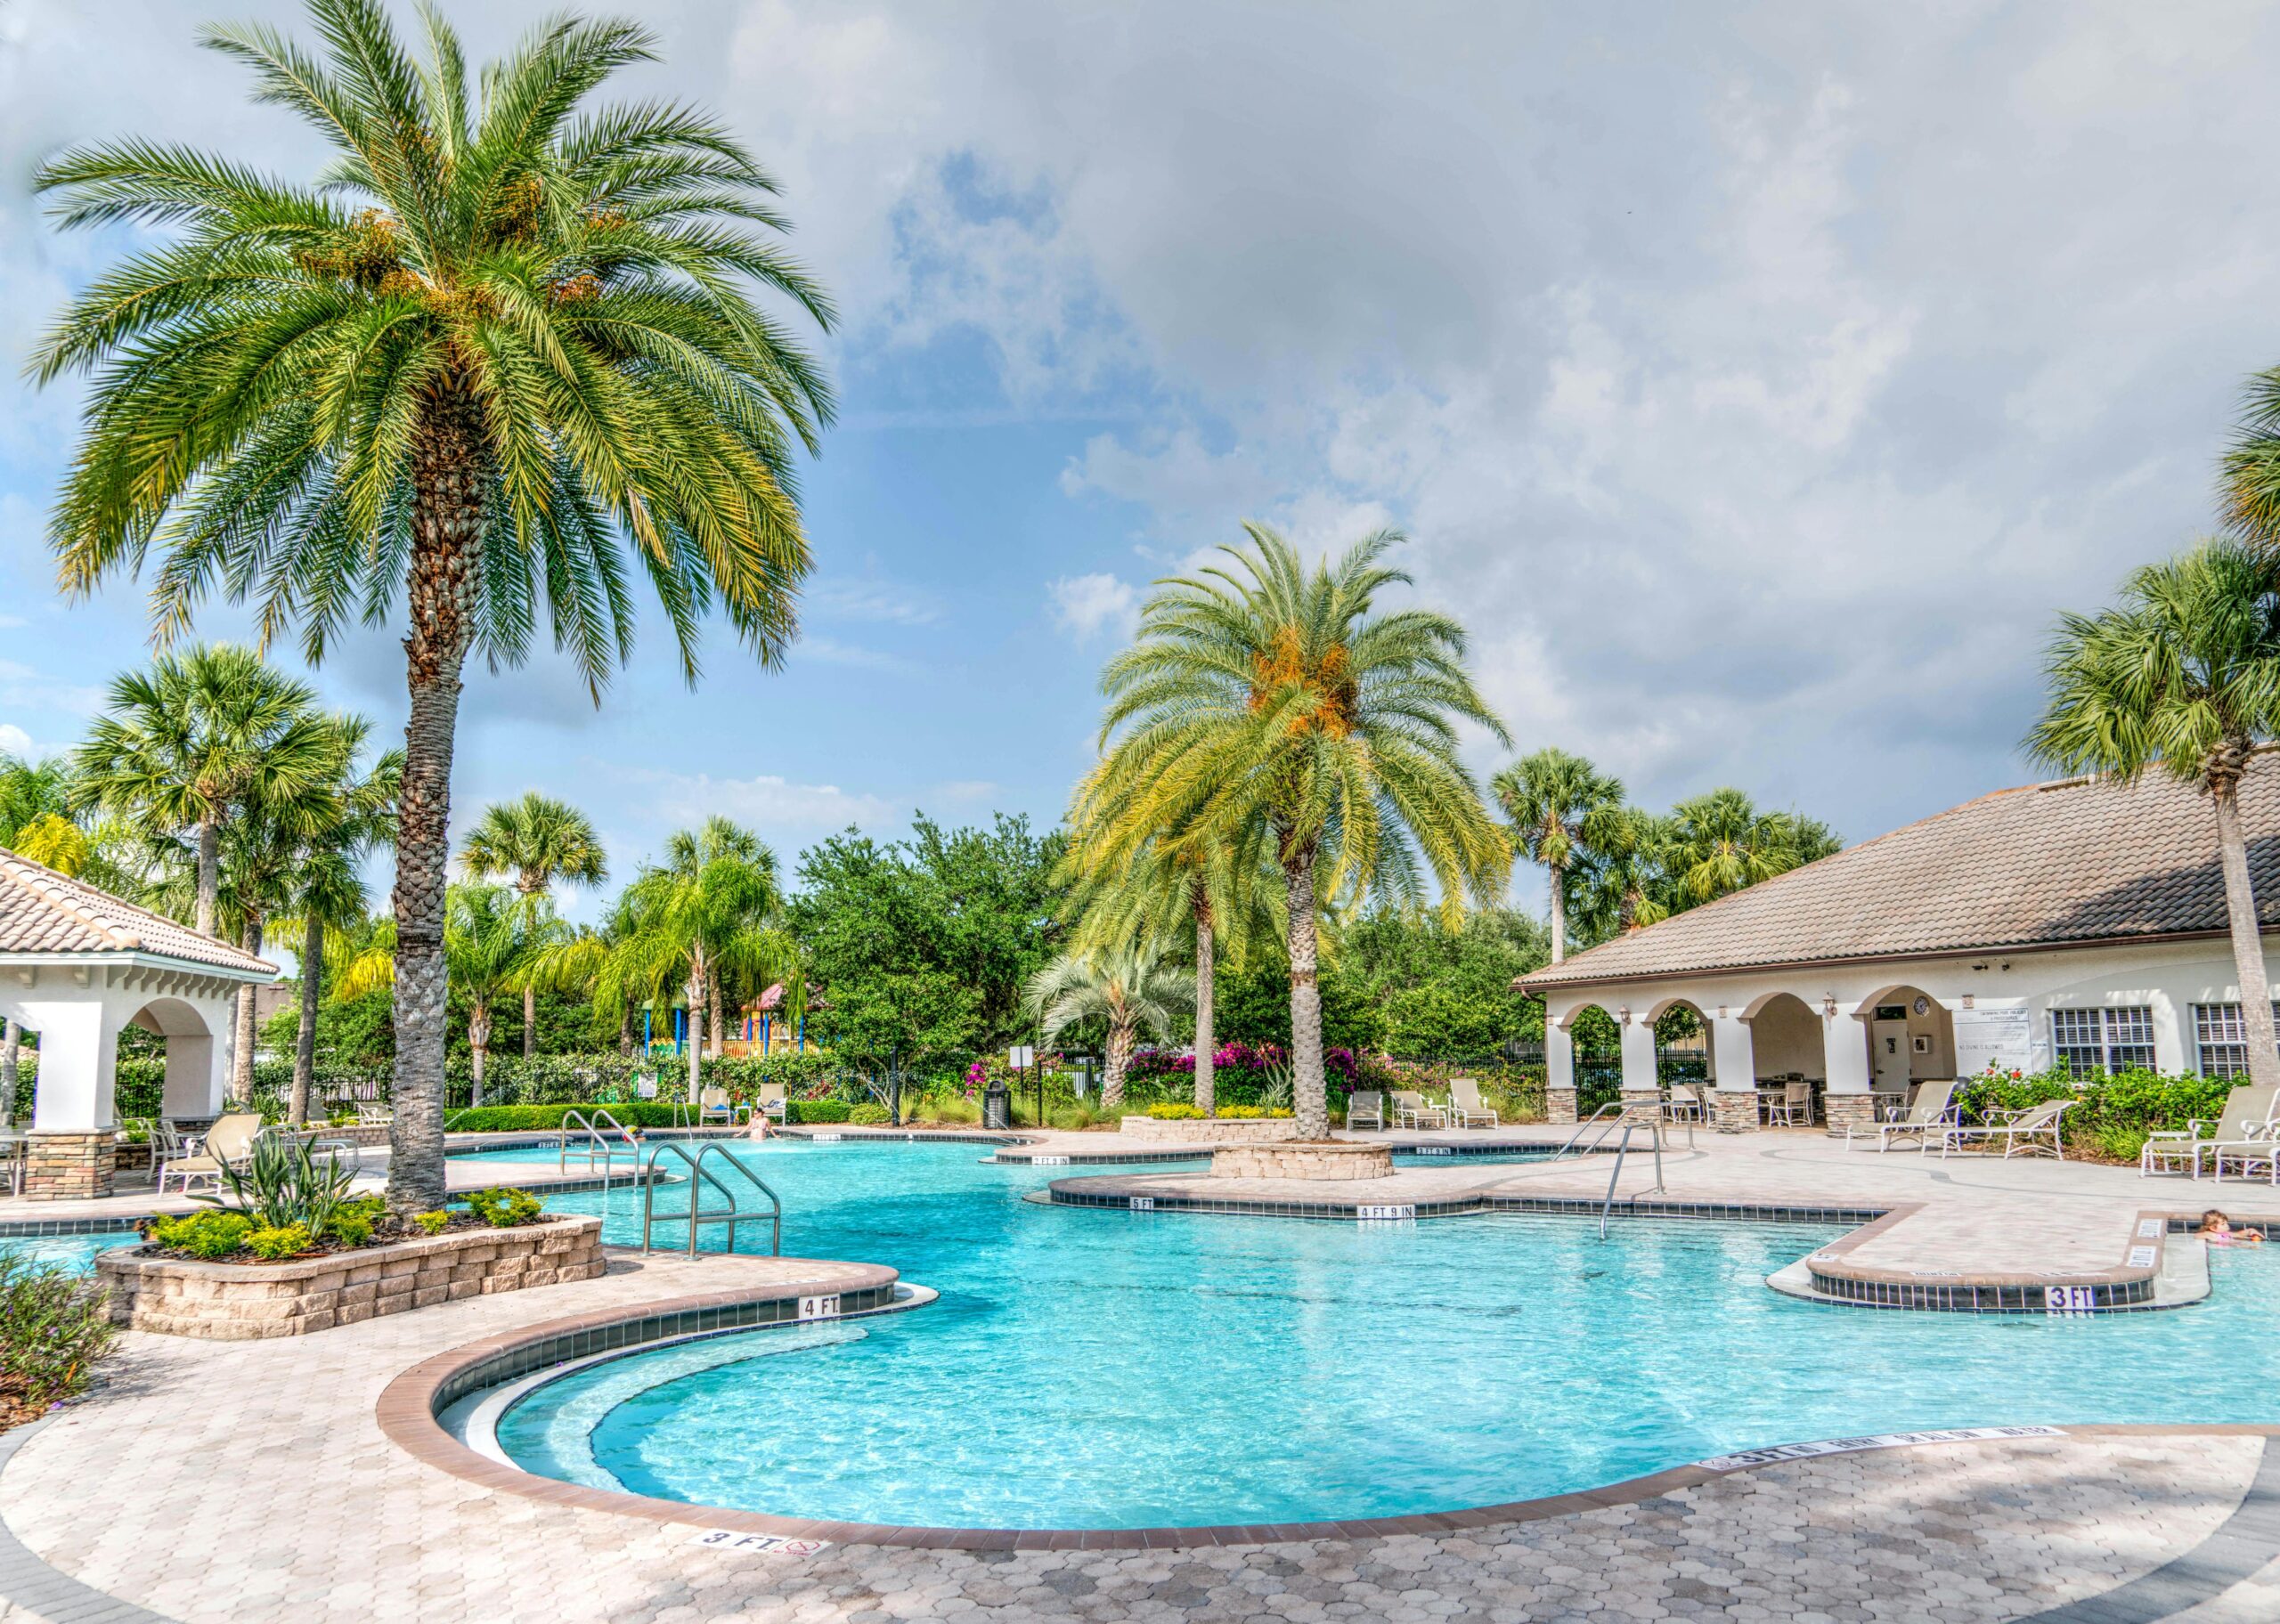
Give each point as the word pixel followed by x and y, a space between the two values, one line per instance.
pixel 1622 1150
pixel 592 1145
pixel 698 1177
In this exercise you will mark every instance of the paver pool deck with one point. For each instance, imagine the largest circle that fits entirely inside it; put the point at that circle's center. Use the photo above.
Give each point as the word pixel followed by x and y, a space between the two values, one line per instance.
pixel 254 1481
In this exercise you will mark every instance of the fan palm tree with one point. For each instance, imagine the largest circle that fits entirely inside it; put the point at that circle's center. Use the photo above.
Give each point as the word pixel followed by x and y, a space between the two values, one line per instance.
pixel 195 741
pixel 1129 987
pixel 540 841
pixel 1170 889
pixel 1262 698
pixel 1562 808
pixel 2183 676
pixel 502 357
pixel 1625 879
pixel 706 919
pixel 1720 843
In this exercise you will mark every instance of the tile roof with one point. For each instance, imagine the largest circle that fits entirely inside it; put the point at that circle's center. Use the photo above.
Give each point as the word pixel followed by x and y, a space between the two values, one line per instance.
pixel 42 911
pixel 2078 861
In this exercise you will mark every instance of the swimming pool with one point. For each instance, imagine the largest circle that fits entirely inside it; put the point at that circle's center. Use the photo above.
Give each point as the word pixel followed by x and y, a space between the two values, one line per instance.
pixel 1091 1369
pixel 76 1253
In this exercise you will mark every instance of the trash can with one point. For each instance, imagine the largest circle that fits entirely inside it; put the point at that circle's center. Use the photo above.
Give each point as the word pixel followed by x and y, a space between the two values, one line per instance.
pixel 996 1105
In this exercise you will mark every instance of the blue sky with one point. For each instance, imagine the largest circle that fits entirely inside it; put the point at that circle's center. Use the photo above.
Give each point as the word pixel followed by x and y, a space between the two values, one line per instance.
pixel 1757 382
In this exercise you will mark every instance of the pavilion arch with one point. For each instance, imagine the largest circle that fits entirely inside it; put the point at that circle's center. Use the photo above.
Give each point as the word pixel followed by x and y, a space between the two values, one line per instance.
pixel 190 1054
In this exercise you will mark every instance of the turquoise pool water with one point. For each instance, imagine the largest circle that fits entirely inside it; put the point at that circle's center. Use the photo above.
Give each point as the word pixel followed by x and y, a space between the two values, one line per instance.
pixel 1102 1369
pixel 75 1252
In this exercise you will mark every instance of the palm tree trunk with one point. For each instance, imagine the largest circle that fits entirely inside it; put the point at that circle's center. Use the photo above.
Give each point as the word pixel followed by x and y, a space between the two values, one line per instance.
pixel 1119 1057
pixel 695 1009
pixel 449 455
pixel 11 1045
pixel 1206 967
pixel 478 1043
pixel 2248 941
pixel 713 1002
pixel 625 1029
pixel 305 1041
pixel 1307 1091
pixel 1559 912
pixel 530 1021
pixel 210 875
pixel 242 1052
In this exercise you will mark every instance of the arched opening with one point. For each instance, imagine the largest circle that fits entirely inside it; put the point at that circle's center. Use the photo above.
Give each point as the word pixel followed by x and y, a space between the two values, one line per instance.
pixel 1594 1042
pixel 1787 1060
pixel 192 1078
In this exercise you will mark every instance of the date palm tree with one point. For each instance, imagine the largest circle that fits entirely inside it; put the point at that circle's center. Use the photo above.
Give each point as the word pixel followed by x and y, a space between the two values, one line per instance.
pixel 540 841
pixel 195 741
pixel 2182 676
pixel 1264 700
pixel 1562 809
pixel 1129 988
pixel 504 356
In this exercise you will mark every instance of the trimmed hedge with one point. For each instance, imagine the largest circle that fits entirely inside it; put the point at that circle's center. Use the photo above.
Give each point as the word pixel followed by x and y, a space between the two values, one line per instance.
pixel 546 1118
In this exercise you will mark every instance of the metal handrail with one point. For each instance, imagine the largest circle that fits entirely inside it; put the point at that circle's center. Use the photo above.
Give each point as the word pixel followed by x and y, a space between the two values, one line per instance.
pixel 1623 1146
pixel 594 1147
pixel 1569 1148
pixel 696 1216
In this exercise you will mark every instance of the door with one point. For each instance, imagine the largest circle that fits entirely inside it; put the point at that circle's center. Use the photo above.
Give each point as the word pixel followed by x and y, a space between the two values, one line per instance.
pixel 1888 1056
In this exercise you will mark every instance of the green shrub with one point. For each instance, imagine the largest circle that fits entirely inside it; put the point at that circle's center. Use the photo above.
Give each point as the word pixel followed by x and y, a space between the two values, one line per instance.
pixel 948 1108
pixel 546 1118
pixel 273 1242
pixel 813 1111
pixel 55 1328
pixel 282 1183
pixel 432 1223
pixel 504 1209
pixel 1166 1111
pixel 210 1234
pixel 2114 1113
pixel 349 1229
pixel 1249 1112
pixel 867 1114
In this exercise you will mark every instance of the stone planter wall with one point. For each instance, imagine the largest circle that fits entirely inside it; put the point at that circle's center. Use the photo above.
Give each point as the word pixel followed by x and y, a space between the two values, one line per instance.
pixel 248 1301
pixel 1312 1161
pixel 1210 1130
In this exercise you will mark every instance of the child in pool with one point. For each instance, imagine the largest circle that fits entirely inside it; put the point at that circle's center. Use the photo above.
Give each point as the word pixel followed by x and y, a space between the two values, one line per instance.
pixel 2217 1231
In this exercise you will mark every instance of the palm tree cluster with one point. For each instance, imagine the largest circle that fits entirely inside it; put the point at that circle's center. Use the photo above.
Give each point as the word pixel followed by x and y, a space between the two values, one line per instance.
pixel 499 358
pixel 1614 867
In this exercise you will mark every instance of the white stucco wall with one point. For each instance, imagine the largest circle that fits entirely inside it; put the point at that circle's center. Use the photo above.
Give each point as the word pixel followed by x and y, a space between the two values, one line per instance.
pixel 2169 977
pixel 78 1021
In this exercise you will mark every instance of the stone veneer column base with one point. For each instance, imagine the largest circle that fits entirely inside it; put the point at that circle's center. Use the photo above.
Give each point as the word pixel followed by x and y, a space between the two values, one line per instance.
pixel 69 1166
pixel 1734 1109
pixel 1345 1159
pixel 1560 1105
pixel 1849 1111
pixel 1643 1104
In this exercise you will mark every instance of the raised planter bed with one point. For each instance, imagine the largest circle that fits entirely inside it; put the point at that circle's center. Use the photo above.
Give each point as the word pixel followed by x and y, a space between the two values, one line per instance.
pixel 1209 1130
pixel 1312 1160
pixel 248 1302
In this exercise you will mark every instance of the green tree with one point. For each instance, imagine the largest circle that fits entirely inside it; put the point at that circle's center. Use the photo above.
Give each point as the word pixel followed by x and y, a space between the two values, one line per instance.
pixel 1127 988
pixel 1562 809
pixel 1445 993
pixel 502 358
pixel 540 842
pixel 194 742
pixel 1720 843
pixel 1265 698
pixel 2182 676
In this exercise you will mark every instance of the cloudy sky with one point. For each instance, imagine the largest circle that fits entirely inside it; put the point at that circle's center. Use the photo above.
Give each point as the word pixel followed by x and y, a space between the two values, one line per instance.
pixel 1755 382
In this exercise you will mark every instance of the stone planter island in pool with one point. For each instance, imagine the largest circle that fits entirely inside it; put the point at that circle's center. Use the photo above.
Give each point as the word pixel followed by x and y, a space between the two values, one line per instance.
pixel 248 1301
pixel 1310 1159
pixel 1209 1130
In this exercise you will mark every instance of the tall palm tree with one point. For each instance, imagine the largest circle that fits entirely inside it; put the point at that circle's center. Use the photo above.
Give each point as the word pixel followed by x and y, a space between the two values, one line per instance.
pixel 702 919
pixel 2182 675
pixel 1262 695
pixel 540 841
pixel 1562 808
pixel 1129 987
pixel 504 355
pixel 195 741
pixel 1175 890
pixel 1625 879
pixel 687 853
pixel 1720 843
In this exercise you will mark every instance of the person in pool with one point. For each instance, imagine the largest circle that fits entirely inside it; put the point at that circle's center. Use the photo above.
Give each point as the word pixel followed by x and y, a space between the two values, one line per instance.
pixel 2217 1231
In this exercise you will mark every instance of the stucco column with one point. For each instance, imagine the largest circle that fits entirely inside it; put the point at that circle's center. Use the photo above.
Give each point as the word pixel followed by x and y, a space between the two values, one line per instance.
pixel 72 1149
pixel 1845 1052
pixel 1559 1070
pixel 1642 1092
pixel 1733 1057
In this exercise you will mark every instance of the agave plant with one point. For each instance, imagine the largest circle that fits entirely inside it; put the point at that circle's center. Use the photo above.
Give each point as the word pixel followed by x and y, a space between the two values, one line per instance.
pixel 283 1182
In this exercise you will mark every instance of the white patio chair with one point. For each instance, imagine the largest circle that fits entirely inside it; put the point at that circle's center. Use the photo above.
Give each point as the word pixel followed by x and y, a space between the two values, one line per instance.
pixel 713 1106
pixel 374 1114
pixel 2259 1151
pixel 229 1140
pixel 1933 1111
pixel 2246 1108
pixel 1467 1105
pixel 1367 1107
pixel 1411 1109
pixel 2038 1127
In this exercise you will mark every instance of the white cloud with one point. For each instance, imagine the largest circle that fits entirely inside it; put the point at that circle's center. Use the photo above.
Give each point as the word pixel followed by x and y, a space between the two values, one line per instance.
pixel 15 741
pixel 777 808
pixel 1087 606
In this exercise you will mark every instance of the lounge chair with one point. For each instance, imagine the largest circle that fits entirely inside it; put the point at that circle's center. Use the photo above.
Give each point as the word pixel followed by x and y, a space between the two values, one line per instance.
pixel 2036 1128
pixel 1933 1111
pixel 1467 1105
pixel 2259 1152
pixel 228 1142
pixel 1411 1110
pixel 2247 1107
pixel 713 1106
pixel 1684 1102
pixel 375 1114
pixel 767 1104
pixel 1366 1105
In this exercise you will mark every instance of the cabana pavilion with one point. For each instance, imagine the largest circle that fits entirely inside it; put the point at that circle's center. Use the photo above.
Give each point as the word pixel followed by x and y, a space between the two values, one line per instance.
pixel 78 967
pixel 2079 923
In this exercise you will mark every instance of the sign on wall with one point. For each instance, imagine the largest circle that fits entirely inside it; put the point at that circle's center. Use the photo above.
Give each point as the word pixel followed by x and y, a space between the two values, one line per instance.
pixel 2003 1038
